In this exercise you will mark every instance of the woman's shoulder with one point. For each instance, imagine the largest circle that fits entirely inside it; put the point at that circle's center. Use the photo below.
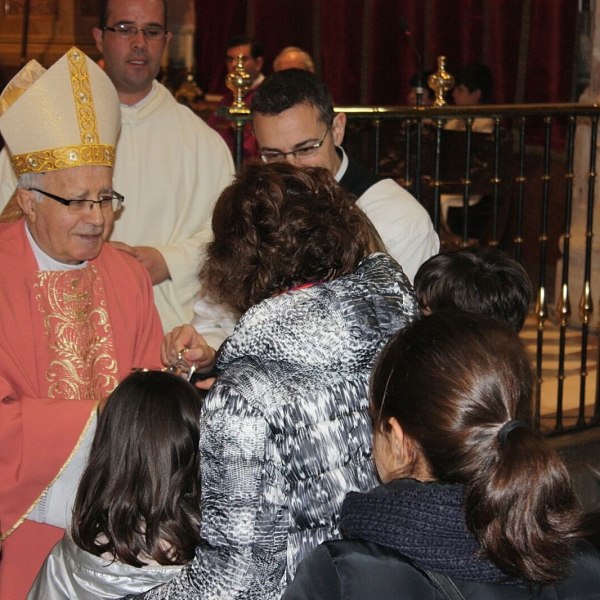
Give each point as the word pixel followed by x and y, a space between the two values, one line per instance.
pixel 365 569
pixel 355 569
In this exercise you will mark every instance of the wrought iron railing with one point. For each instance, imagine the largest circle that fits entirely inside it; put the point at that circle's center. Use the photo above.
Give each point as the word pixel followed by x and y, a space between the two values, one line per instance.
pixel 524 169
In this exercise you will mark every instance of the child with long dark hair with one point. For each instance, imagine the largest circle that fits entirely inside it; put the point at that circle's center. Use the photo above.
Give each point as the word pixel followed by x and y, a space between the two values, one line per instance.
pixel 474 501
pixel 137 513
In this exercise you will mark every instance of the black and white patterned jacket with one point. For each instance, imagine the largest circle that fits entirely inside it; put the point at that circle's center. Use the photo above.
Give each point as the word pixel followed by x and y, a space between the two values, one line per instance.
pixel 286 432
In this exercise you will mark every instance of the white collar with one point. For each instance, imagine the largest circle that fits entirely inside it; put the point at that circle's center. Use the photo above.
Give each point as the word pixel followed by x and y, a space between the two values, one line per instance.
pixel 257 81
pixel 45 262
pixel 343 167
pixel 145 99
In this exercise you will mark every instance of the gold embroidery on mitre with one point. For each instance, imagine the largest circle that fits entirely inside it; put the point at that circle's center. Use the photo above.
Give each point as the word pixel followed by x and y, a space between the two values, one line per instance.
pixel 90 151
pixel 63 158
pixel 78 334
pixel 82 94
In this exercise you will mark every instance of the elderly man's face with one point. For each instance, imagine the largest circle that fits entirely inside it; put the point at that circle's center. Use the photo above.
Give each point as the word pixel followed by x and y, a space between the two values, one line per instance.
pixel 65 237
pixel 132 63
pixel 292 59
pixel 299 127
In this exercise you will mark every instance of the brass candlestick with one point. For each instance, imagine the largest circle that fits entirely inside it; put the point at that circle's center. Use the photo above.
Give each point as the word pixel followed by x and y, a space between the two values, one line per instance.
pixel 189 93
pixel 441 82
pixel 238 81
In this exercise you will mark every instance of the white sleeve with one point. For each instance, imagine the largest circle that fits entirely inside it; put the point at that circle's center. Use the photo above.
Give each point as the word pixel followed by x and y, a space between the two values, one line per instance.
pixel 214 322
pixel 403 224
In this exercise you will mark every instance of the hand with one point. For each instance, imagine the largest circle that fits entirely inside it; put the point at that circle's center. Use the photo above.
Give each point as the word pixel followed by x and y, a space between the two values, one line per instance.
pixel 205 384
pixel 150 258
pixel 186 340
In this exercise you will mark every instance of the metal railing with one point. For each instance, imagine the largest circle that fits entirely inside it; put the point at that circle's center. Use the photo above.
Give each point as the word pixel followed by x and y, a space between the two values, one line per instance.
pixel 514 169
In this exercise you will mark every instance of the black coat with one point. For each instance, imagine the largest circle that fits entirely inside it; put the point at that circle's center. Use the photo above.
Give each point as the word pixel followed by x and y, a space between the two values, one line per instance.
pixel 361 570
pixel 406 523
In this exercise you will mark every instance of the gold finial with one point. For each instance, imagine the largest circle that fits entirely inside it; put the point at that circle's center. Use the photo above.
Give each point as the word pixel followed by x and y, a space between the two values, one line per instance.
pixel 189 93
pixel 586 304
pixel 238 81
pixel 541 308
pixel 563 310
pixel 440 82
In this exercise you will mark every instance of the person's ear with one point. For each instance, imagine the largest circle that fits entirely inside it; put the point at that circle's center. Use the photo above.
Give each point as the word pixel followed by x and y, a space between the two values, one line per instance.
pixel 407 453
pixel 259 63
pixel 477 96
pixel 338 128
pixel 399 441
pixel 27 203
pixel 98 39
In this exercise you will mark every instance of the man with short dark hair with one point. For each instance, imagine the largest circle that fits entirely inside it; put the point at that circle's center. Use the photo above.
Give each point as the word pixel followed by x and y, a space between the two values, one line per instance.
pixel 252 58
pixel 294 120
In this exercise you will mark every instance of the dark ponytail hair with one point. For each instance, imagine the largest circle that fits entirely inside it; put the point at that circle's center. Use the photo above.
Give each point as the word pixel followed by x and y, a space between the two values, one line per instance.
pixel 452 380
pixel 139 496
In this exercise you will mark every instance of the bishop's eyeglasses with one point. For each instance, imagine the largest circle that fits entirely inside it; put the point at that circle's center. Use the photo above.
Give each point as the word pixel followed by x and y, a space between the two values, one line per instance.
pixel 107 202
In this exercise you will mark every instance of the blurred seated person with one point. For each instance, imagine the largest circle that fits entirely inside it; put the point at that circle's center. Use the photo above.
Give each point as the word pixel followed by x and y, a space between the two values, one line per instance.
pixel 252 53
pixel 293 57
pixel 285 431
pixel 472 87
pixel 474 501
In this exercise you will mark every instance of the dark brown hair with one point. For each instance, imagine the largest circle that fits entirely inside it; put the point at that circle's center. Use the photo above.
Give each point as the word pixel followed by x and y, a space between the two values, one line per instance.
pixel 104 13
pixel 452 380
pixel 278 226
pixel 139 496
pixel 485 281
pixel 292 87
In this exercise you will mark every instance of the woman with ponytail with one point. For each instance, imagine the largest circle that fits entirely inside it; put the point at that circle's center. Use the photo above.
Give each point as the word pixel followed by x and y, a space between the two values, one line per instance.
pixel 474 503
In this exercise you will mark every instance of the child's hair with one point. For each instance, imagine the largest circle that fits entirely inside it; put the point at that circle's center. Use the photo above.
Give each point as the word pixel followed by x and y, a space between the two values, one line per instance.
pixel 485 281
pixel 461 387
pixel 139 496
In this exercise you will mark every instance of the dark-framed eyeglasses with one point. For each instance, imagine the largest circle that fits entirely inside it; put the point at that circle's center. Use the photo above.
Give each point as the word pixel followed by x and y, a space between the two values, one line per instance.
pixel 270 156
pixel 128 32
pixel 107 202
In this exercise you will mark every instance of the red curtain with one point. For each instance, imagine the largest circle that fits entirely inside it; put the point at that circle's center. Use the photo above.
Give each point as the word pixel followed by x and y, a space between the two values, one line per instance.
pixel 379 67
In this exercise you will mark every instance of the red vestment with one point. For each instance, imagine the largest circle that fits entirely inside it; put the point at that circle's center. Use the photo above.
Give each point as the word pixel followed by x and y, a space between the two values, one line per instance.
pixel 66 339
pixel 224 126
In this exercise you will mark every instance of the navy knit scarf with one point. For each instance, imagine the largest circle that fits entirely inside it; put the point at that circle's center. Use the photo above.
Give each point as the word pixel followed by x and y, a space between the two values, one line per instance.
pixel 423 521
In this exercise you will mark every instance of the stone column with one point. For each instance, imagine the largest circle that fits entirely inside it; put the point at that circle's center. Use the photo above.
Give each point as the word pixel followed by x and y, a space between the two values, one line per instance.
pixel 182 23
pixel 590 45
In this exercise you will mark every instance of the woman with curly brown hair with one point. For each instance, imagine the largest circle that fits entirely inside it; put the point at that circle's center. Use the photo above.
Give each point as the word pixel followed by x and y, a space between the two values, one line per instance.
pixel 285 430
pixel 474 501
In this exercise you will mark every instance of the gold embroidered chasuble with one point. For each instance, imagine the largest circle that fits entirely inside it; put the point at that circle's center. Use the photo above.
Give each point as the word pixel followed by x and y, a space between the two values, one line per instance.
pixel 78 334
